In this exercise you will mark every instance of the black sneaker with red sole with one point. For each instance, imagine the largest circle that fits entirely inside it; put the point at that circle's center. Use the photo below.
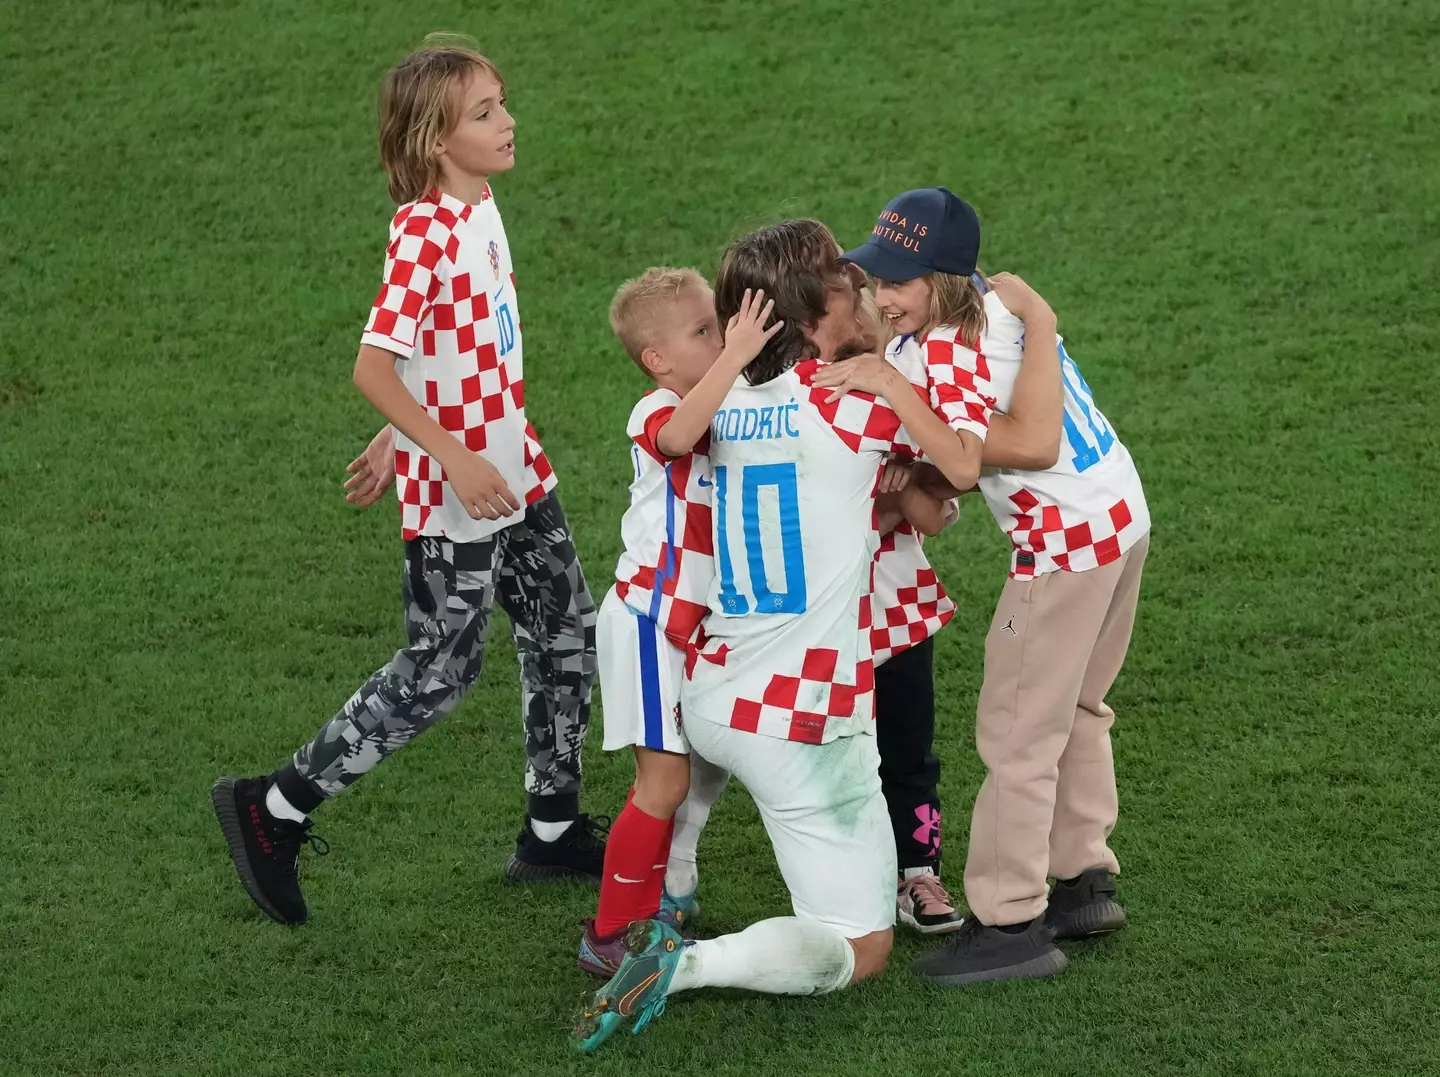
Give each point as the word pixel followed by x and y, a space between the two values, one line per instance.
pixel 578 855
pixel 265 849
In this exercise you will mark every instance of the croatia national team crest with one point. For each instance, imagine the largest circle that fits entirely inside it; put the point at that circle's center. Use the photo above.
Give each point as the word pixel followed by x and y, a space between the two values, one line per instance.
pixel 495 258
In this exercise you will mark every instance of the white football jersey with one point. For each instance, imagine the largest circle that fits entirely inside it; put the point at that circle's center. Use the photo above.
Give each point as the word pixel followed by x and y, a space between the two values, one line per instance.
pixel 786 650
pixel 447 308
pixel 1085 511
pixel 666 568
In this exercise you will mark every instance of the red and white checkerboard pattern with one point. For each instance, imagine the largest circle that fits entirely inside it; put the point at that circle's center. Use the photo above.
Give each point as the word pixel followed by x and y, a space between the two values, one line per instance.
pixel 447 307
pixel 420 485
pixel 910 603
pixel 667 566
pixel 1073 548
pixel 799 708
pixel 959 382
pixel 1065 518
pixel 539 475
pixel 862 422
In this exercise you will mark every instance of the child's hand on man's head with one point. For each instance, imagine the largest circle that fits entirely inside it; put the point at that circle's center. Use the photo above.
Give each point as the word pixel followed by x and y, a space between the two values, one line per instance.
pixel 746 334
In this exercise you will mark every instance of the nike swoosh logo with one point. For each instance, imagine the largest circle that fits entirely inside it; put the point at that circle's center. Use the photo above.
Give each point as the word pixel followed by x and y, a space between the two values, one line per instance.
pixel 627 1001
pixel 621 879
pixel 703 481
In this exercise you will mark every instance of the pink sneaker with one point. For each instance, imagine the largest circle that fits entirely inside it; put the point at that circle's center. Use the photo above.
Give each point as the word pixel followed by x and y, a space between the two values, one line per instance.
pixel 923 903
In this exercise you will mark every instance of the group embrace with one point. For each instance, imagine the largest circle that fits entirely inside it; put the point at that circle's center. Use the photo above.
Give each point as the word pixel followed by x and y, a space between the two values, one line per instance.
pixel 814 420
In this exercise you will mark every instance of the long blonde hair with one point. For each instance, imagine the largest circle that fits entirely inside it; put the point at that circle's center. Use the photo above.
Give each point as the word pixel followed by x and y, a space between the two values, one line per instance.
pixel 955 300
pixel 418 103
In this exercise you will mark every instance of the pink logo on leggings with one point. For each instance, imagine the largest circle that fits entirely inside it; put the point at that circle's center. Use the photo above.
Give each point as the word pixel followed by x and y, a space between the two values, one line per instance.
pixel 928 832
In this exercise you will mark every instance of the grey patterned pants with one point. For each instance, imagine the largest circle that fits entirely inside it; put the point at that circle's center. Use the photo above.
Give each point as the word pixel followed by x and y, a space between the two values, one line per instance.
pixel 532 570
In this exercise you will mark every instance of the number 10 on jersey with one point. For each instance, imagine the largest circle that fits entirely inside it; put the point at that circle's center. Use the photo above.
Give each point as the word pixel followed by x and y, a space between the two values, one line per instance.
pixel 765 598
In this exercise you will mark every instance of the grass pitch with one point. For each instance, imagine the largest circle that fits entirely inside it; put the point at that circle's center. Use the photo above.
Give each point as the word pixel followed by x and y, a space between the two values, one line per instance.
pixel 1231 207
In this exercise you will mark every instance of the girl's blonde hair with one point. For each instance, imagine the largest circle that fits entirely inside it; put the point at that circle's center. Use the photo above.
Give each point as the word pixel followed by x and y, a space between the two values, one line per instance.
pixel 419 105
pixel 956 301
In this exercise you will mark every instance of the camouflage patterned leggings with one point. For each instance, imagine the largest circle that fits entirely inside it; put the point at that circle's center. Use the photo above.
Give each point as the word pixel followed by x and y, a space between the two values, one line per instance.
pixel 532 570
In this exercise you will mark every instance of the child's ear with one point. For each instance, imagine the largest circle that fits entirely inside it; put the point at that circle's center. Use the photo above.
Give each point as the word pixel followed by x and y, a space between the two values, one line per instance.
pixel 654 362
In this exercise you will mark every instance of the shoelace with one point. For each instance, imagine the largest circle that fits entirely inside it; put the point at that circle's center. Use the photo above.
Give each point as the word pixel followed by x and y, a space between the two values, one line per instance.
pixel 927 888
pixel 961 940
pixel 296 835
pixel 593 830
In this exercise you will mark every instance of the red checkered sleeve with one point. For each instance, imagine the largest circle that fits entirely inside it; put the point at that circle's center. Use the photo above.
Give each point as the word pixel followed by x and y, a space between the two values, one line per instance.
pixel 959 381
pixel 863 422
pixel 422 248
pixel 648 434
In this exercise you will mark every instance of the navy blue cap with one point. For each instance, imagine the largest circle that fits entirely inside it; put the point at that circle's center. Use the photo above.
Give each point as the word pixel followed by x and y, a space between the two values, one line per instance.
pixel 931 230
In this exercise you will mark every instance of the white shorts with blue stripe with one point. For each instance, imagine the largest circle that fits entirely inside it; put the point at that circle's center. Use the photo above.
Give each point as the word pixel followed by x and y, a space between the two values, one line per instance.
pixel 641 674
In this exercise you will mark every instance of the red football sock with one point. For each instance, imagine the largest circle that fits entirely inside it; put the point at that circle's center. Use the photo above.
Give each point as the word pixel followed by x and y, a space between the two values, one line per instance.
pixel 656 884
pixel 634 847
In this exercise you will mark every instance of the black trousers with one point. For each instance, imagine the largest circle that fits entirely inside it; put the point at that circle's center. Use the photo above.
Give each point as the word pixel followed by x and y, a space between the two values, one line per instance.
pixel 909 768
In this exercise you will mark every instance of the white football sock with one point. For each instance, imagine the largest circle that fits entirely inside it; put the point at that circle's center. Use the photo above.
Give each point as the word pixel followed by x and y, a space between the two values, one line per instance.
pixel 784 956
pixel 549 831
pixel 707 782
pixel 278 806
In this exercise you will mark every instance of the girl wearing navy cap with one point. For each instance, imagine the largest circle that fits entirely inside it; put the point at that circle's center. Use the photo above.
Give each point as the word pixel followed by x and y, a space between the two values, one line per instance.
pixel 1073 507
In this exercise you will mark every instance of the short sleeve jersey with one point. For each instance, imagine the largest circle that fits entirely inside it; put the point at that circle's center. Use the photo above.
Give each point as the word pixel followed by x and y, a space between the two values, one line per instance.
pixel 667 566
pixel 1086 510
pixel 447 308
pixel 787 650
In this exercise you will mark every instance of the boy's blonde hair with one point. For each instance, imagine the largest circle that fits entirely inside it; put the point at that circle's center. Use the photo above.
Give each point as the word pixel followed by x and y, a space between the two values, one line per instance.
pixel 419 102
pixel 637 304
pixel 956 301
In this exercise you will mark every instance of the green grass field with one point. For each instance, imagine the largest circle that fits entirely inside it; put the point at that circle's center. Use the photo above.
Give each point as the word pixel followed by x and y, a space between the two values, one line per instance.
pixel 1232 207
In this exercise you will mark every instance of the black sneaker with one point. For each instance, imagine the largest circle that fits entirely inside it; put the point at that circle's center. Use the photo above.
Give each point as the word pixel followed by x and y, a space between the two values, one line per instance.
pixel 978 953
pixel 1085 906
pixel 577 855
pixel 266 850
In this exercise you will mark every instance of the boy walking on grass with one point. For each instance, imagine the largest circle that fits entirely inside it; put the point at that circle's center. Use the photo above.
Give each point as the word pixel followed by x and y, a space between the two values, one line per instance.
pixel 441 359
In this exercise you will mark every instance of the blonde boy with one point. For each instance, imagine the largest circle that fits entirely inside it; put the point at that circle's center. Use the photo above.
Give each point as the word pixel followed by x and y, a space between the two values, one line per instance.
pixel 666 321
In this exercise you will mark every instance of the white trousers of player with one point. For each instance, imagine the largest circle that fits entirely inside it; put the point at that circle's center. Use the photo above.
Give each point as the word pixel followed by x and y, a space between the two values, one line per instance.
pixel 825 815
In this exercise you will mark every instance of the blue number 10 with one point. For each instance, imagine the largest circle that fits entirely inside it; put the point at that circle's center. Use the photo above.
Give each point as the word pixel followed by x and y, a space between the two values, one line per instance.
pixel 753 478
pixel 1086 454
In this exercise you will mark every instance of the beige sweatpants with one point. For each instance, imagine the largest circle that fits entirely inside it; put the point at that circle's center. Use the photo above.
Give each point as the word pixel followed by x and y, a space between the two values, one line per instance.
pixel 1042 728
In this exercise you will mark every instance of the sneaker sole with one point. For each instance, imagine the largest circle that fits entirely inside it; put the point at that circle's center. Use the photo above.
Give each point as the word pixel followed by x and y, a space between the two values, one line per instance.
pixel 929 929
pixel 519 871
pixel 1090 921
pixel 1037 968
pixel 222 799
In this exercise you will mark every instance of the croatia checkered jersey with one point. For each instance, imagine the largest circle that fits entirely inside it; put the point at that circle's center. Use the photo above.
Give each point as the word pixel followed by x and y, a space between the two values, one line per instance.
pixel 785 651
pixel 667 567
pixel 1086 510
pixel 910 604
pixel 447 308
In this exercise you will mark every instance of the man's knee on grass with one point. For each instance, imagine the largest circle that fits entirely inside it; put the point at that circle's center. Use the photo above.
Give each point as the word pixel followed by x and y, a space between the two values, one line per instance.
pixel 872 954
pixel 662 779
